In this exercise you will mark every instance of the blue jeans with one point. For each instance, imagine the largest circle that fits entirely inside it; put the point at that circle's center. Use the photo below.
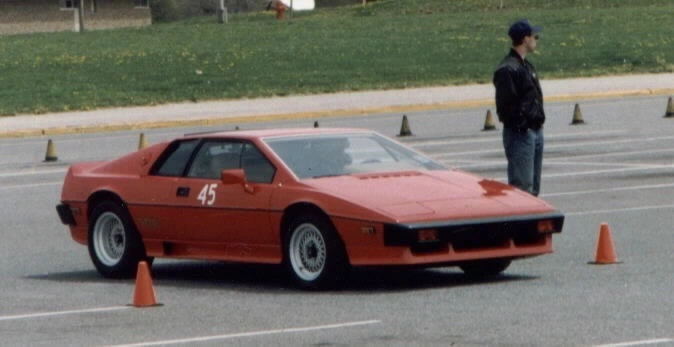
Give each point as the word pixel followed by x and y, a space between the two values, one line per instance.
pixel 524 151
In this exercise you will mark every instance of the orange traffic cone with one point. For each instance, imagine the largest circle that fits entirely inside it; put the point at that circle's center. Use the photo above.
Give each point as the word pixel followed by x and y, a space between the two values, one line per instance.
pixel 489 122
pixel 405 127
pixel 577 116
pixel 142 142
pixel 144 294
pixel 51 152
pixel 670 108
pixel 605 249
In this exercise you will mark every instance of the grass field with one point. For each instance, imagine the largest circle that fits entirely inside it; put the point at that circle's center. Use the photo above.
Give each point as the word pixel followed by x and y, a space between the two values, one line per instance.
pixel 386 44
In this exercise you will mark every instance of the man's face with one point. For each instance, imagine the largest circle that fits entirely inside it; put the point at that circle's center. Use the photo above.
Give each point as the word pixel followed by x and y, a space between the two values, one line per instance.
pixel 530 42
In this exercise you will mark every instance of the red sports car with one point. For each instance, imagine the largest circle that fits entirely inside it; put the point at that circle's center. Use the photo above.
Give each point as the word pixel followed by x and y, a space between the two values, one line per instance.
pixel 316 200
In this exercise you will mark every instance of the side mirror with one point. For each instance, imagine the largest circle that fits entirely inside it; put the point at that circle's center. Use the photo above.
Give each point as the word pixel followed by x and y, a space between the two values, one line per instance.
pixel 236 176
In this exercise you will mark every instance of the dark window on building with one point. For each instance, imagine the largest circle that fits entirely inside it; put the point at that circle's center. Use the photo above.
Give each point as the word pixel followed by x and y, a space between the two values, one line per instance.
pixel 141 3
pixel 69 4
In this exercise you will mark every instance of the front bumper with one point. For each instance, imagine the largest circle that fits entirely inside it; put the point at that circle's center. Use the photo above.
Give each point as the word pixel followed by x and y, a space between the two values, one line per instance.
pixel 475 234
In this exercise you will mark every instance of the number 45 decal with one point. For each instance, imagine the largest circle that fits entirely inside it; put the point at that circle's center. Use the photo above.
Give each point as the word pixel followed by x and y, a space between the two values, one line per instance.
pixel 207 194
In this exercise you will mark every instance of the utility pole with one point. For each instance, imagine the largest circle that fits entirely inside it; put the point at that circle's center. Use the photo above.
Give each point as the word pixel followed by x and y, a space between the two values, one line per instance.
pixel 222 12
pixel 78 25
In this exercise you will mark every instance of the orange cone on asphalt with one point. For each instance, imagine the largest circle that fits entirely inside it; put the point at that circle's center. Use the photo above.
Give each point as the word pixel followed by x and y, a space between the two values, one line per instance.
pixel 670 109
pixel 489 122
pixel 142 142
pixel 605 249
pixel 405 127
pixel 50 155
pixel 144 294
pixel 577 116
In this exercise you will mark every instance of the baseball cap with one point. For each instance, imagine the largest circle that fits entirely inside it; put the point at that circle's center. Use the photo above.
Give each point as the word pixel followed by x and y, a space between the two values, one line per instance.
pixel 522 28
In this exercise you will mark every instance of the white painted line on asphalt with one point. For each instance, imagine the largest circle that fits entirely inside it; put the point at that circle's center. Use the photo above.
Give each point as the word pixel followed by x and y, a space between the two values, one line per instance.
pixel 468 164
pixel 625 209
pixel 33 171
pixel 497 139
pixel 250 334
pixel 608 171
pixel 611 190
pixel 82 137
pixel 62 313
pixel 30 185
pixel 637 343
pixel 586 173
pixel 618 154
pixel 564 162
pixel 559 146
pixel 597 172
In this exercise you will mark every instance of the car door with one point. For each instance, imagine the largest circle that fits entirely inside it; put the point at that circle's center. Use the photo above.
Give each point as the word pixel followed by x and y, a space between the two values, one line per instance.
pixel 226 213
pixel 159 216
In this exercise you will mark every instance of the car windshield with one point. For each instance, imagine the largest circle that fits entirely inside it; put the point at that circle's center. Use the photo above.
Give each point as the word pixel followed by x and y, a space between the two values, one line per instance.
pixel 315 156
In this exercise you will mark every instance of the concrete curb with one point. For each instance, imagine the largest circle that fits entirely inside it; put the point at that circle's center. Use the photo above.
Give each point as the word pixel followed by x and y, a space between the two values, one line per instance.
pixel 319 106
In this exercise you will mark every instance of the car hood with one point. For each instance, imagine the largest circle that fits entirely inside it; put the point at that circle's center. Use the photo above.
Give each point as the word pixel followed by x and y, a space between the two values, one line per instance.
pixel 431 195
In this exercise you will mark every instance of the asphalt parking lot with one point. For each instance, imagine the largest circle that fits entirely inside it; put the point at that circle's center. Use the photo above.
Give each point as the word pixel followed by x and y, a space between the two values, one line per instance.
pixel 617 168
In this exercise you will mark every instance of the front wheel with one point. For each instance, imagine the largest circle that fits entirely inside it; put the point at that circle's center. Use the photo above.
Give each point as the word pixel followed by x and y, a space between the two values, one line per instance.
pixel 485 268
pixel 314 255
pixel 115 247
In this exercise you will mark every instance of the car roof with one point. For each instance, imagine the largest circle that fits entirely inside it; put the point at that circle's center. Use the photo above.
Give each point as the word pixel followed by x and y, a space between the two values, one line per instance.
pixel 280 132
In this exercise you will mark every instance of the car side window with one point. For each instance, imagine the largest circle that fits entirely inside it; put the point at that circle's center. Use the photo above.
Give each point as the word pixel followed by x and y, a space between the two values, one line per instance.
pixel 175 158
pixel 213 157
pixel 258 169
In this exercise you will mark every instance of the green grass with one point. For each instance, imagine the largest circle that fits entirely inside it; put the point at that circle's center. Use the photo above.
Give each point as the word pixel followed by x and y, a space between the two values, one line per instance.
pixel 386 44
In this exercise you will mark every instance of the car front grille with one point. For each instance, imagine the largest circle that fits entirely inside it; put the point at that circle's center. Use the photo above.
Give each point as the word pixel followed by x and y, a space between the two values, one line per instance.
pixel 471 235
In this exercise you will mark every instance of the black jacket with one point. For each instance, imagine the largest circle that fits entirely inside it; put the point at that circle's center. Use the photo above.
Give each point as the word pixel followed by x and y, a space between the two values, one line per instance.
pixel 519 98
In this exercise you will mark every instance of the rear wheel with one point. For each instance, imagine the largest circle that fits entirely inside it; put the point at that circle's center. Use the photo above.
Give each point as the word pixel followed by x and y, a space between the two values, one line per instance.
pixel 485 268
pixel 115 247
pixel 314 255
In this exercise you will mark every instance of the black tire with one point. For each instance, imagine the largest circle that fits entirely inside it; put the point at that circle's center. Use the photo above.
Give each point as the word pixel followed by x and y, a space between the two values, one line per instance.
pixel 313 254
pixel 485 268
pixel 115 246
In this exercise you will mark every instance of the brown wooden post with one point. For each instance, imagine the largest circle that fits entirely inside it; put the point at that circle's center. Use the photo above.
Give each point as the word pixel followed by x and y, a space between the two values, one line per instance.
pixel 79 16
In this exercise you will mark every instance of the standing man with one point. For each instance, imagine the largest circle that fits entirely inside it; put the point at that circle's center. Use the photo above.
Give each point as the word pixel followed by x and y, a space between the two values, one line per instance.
pixel 519 104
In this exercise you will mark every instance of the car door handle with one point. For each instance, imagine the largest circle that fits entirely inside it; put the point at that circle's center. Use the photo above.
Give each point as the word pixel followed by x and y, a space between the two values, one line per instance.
pixel 183 191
